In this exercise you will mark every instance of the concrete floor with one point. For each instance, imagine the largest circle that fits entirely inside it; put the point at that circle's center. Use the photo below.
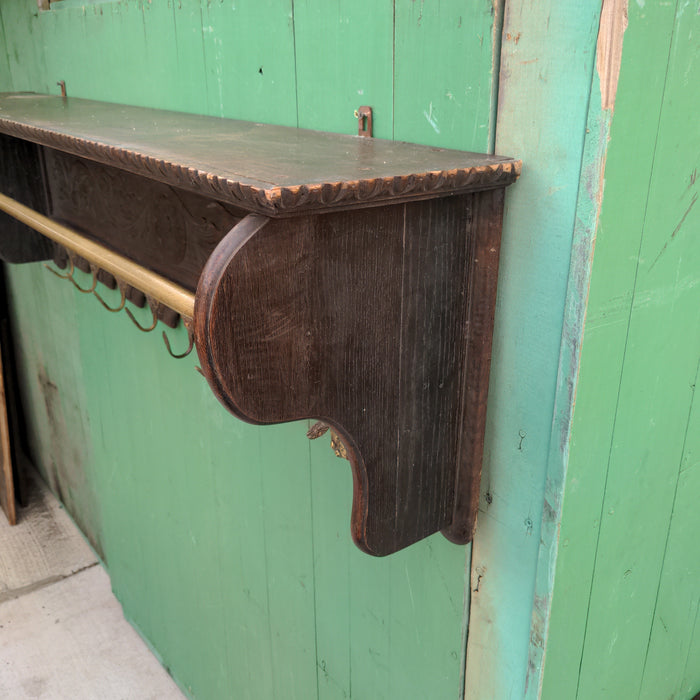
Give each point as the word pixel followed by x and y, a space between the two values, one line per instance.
pixel 62 632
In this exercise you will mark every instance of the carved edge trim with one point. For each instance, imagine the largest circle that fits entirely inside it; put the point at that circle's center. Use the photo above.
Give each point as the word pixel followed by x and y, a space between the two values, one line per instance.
pixel 275 200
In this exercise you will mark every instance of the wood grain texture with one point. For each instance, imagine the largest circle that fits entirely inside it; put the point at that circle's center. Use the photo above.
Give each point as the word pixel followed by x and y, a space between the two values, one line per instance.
pixel 164 229
pixel 363 321
pixel 655 395
pixel 477 338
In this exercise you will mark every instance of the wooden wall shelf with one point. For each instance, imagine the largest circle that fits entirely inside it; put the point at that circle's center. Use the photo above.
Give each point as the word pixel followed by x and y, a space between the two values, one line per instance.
pixel 337 278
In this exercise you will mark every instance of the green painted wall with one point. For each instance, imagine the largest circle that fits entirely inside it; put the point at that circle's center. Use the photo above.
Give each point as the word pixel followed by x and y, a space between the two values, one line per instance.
pixel 624 618
pixel 229 544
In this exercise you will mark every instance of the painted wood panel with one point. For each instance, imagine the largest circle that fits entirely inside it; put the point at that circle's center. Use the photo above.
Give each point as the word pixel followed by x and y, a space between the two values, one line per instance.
pixel 249 56
pixel 348 43
pixel 671 661
pixel 623 505
pixel 442 72
pixel 228 544
pixel 547 58
pixel 5 76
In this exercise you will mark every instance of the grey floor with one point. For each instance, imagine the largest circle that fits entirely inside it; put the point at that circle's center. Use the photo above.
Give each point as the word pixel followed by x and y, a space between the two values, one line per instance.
pixel 62 632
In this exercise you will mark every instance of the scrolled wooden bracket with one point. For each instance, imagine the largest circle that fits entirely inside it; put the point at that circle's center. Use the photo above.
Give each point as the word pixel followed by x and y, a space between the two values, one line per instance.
pixel 365 321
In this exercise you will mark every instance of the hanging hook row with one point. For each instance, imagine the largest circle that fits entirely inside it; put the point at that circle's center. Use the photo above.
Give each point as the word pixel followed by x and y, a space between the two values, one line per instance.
pixel 153 304
pixel 131 277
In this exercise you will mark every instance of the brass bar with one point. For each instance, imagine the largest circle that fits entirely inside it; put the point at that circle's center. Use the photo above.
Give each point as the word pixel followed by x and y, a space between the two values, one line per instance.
pixel 148 282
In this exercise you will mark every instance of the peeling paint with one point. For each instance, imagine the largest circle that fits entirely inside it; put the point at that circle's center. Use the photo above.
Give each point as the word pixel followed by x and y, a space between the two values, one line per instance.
pixel 613 22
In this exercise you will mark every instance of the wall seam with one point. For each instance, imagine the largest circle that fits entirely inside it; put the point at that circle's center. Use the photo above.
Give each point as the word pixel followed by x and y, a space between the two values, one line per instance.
pixel 498 9
pixel 296 79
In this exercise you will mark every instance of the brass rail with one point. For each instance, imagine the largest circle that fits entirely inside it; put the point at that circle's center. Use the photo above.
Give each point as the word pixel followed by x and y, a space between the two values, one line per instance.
pixel 146 281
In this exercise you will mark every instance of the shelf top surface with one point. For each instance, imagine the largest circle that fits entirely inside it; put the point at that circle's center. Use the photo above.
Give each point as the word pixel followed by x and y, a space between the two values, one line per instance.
pixel 266 168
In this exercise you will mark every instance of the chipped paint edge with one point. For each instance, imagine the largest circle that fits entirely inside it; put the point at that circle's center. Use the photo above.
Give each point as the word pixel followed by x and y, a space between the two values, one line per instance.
pixel 613 23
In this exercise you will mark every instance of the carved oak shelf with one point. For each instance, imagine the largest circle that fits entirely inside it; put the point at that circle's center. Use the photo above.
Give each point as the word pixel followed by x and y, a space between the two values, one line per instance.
pixel 328 277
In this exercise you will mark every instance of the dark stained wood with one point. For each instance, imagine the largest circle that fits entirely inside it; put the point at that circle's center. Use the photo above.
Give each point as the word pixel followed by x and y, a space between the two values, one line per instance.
pixel 7 483
pixel 165 229
pixel 269 169
pixel 21 179
pixel 358 319
pixel 484 249
pixel 346 280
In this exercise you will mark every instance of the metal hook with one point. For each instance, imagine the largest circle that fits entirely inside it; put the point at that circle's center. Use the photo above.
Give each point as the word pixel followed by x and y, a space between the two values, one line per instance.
pixel 138 325
pixel 71 270
pixel 190 334
pixel 94 282
pixel 122 301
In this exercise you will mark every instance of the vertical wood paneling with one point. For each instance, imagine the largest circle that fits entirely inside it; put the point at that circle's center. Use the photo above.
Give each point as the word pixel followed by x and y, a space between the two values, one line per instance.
pixel 24 47
pixel 662 350
pixel 613 274
pixel 249 60
pixel 5 75
pixel 344 59
pixel 671 663
pixel 58 426
pixel 547 59
pixel 442 72
pixel 639 358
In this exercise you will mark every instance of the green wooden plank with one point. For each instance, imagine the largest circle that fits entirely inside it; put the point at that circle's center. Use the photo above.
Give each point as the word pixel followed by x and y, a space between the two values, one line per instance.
pixel 189 94
pixel 249 60
pixel 689 684
pixel 208 537
pixel 545 76
pixel 288 543
pixel 442 76
pixel 612 280
pixel 51 375
pixel 163 530
pixel 118 41
pixel 670 655
pixel 334 562
pixel 5 74
pixel 386 628
pixel 344 59
pixel 427 606
pixel 24 46
pixel 660 363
